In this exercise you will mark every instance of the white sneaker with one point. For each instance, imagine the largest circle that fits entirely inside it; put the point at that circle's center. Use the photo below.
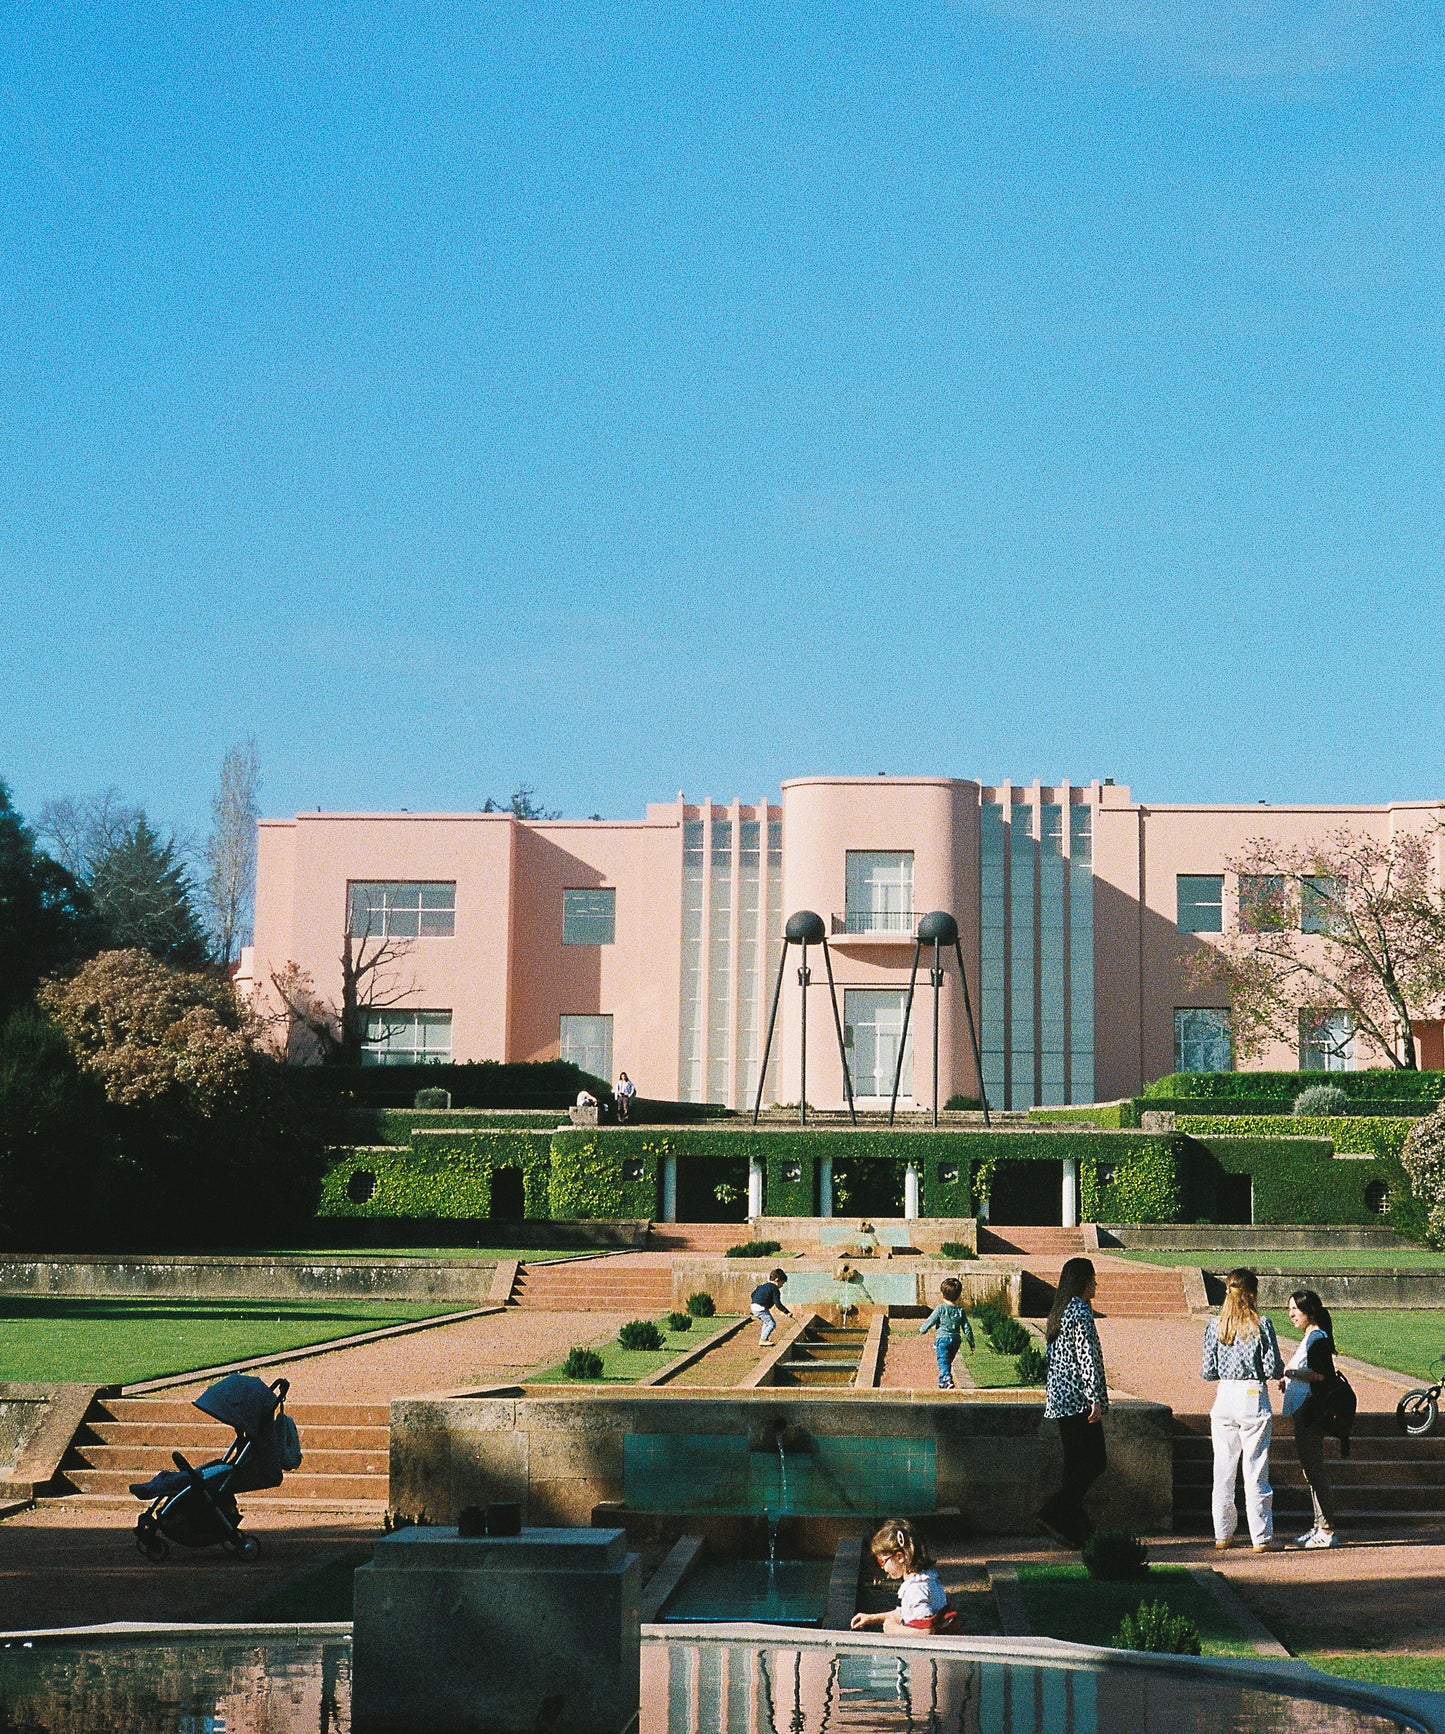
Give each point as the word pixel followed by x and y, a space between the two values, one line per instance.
pixel 1323 1538
pixel 1305 1539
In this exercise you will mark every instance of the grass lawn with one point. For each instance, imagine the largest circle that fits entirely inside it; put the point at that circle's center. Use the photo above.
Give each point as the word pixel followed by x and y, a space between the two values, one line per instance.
pixel 1412 1673
pixel 1404 1340
pixel 1307 1259
pixel 626 1366
pixel 991 1372
pixel 105 1342
pixel 1065 1602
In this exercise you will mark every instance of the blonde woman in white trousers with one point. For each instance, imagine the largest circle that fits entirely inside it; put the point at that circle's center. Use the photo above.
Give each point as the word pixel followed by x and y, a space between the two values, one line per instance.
pixel 1241 1356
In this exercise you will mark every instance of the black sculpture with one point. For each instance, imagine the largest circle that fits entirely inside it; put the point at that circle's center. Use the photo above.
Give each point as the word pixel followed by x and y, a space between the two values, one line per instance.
pixel 804 929
pixel 937 929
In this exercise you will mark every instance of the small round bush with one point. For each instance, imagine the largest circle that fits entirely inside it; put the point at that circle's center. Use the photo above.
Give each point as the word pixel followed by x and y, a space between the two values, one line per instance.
pixel 640 1334
pixel 1322 1099
pixel 1009 1337
pixel 957 1250
pixel 754 1249
pixel 679 1321
pixel 961 1104
pixel 701 1305
pixel 582 1364
pixel 432 1098
pixel 1031 1366
pixel 1156 1627
pixel 1115 1555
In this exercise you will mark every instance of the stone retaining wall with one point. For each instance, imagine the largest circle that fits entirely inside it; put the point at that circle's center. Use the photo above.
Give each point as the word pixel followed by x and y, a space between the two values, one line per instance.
pixel 239 1278
pixel 1424 1289
pixel 881 1282
pixel 562 1456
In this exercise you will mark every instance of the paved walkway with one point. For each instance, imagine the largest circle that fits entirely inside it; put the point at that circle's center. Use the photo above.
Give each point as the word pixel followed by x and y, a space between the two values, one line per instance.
pixel 487 1350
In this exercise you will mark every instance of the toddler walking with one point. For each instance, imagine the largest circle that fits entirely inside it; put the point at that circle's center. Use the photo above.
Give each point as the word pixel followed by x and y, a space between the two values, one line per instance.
pixel 950 1318
pixel 922 1600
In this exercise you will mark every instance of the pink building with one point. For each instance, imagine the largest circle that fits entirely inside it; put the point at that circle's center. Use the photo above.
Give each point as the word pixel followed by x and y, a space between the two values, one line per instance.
pixel 652 946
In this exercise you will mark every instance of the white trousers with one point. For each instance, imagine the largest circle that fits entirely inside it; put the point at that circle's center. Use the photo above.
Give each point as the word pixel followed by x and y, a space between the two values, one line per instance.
pixel 1240 1424
pixel 766 1320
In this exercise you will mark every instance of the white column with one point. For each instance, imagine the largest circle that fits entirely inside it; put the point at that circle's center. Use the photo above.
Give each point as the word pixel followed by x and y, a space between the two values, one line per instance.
pixel 1071 1195
pixel 669 1188
pixel 910 1192
pixel 755 1188
pixel 825 1186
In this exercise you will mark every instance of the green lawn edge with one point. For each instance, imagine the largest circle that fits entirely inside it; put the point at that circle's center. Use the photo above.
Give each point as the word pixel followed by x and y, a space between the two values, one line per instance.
pixel 1064 1602
pixel 627 1366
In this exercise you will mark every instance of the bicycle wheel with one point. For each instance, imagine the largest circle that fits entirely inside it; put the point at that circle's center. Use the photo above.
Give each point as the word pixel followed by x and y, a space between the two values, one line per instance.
pixel 1416 1412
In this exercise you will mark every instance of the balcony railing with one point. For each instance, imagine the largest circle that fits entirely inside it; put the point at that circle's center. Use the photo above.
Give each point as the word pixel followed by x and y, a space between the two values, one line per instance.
pixel 892 921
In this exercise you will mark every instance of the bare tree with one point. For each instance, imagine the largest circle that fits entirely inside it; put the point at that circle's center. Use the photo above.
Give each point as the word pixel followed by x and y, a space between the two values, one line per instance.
pixel 81 833
pixel 1346 924
pixel 317 1029
pixel 230 883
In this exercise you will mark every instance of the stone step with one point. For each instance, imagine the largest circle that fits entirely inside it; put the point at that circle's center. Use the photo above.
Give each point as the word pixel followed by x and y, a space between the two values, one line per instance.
pixel 1349 1502
pixel 141 1461
pixel 182 1436
pixel 182 1410
pixel 334 1489
pixel 1343 1472
pixel 1373 1424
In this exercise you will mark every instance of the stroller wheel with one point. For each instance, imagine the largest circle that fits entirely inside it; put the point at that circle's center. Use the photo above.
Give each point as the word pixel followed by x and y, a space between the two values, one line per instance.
pixel 248 1549
pixel 153 1546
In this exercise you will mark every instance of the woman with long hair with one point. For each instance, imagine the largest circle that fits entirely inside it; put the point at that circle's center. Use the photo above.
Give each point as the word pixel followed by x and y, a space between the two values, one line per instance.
pixel 1308 1375
pixel 1241 1356
pixel 1076 1396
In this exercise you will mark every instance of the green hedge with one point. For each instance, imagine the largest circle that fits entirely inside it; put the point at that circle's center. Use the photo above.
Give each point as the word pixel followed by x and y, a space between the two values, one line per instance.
pixel 445 1175
pixel 1148 1186
pixel 1385 1084
pixel 396 1125
pixel 477 1084
pixel 1295 1179
pixel 604 1172
pixel 1107 1116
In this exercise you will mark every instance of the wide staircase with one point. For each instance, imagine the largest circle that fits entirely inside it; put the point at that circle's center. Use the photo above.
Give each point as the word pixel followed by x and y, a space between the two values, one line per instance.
pixel 345 1450
pixel 706 1239
pixel 639 1284
pixel 1126 1290
pixel 1387 1480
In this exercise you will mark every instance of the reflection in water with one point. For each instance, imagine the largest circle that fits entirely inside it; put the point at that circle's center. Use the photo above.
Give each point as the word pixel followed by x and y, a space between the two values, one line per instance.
pixel 689 1686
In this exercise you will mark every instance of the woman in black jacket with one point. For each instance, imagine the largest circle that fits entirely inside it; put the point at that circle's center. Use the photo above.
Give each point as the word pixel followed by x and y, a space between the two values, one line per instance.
pixel 1308 1377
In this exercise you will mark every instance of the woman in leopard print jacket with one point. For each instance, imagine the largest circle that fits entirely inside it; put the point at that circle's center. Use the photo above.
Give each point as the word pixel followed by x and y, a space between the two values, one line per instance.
pixel 1076 1396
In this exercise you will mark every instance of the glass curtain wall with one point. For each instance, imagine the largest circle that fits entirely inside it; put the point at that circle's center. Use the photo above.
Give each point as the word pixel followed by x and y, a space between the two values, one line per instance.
pixel 774 950
pixel 1036 910
pixel 719 963
pixel 749 917
pixel 690 1079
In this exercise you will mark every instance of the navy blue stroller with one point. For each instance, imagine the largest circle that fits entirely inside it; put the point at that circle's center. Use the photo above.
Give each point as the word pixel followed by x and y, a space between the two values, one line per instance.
pixel 196 1507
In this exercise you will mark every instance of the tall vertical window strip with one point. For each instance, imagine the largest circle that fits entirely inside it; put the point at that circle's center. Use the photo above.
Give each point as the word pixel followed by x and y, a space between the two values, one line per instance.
pixel 719 965
pixel 1023 851
pixel 993 928
pixel 1051 953
pixel 1081 953
pixel 774 952
pixel 690 1078
pixel 749 932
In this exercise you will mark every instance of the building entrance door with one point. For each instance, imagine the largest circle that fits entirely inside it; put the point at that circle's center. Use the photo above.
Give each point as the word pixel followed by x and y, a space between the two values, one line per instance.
pixel 872 1030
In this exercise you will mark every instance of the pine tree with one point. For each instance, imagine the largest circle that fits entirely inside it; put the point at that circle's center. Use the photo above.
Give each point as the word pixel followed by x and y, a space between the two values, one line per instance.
pixel 46 919
pixel 145 897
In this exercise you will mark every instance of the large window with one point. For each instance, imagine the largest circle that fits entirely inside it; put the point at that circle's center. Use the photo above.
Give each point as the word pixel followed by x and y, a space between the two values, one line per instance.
pixel 872 1030
pixel 1201 902
pixel 879 891
pixel 1201 1039
pixel 587 1042
pixel 1321 904
pixel 589 917
pixel 1326 1041
pixel 1265 903
pixel 406 1038
pixel 401 908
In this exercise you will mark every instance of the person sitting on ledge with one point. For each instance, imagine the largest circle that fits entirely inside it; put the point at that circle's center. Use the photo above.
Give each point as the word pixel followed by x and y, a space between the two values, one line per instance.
pixel 923 1604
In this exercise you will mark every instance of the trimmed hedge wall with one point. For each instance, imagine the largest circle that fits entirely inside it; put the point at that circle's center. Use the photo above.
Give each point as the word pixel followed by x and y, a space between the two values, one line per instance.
pixel 1107 1116
pixel 440 1175
pixel 604 1172
pixel 1295 1179
pixel 396 1125
pixel 476 1084
pixel 1378 1084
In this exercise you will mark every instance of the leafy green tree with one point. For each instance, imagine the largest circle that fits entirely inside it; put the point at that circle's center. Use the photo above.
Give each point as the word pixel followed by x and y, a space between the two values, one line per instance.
pixel 144 895
pixel 47 922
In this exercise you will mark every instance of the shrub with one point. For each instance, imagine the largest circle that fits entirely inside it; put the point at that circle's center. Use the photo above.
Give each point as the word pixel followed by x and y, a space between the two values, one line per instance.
pixel 962 1104
pixel 1372 1084
pixel 1009 1337
pixel 987 1315
pixel 1291 1161
pixel 701 1305
pixel 432 1099
pixel 754 1248
pixel 640 1334
pixel 582 1364
pixel 1322 1099
pixel 1115 1555
pixel 1157 1628
pixel 679 1321
pixel 445 1176
pixel 957 1249
pixel 1031 1366
pixel 1423 1159
pixel 55 1145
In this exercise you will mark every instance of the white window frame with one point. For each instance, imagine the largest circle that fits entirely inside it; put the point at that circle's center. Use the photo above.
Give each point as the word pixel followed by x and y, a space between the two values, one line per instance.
pixel 855 1001
pixel 880 904
pixel 409 1037
pixel 1216 879
pixel 1194 1027
pixel 401 908
pixel 575 1040
pixel 1332 1049
pixel 589 923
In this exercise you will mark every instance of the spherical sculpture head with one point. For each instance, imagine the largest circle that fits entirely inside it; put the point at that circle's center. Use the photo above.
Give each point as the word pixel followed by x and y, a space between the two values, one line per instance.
pixel 805 928
pixel 938 925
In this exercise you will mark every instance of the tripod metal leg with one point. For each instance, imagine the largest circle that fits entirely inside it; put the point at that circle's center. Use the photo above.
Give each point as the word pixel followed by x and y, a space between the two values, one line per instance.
pixel 937 986
pixel 838 1026
pixel 903 1039
pixel 772 1025
pixel 803 1040
pixel 972 1031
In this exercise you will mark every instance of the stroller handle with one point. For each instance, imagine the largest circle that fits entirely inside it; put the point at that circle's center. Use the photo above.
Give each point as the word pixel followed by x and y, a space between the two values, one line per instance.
pixel 282 1388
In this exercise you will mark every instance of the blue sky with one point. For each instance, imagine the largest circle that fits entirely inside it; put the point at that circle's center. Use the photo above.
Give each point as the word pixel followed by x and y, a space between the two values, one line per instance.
pixel 640 397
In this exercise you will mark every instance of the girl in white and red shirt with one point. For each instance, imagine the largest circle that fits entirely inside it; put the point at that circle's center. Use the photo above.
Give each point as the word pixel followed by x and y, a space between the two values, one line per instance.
pixel 922 1599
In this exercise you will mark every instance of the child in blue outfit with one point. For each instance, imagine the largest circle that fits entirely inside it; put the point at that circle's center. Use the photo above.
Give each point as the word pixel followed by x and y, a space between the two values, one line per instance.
pixel 951 1321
